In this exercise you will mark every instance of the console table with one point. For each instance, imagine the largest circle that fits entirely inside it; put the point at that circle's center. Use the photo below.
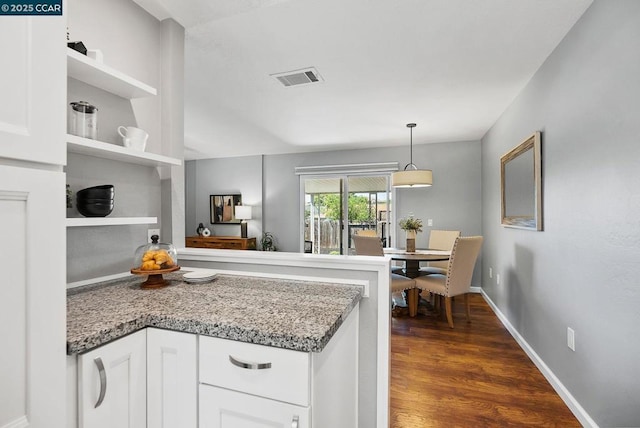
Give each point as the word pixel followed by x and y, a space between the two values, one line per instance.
pixel 221 242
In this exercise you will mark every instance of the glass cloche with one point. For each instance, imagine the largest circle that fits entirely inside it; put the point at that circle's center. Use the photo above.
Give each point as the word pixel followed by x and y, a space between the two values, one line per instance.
pixel 155 256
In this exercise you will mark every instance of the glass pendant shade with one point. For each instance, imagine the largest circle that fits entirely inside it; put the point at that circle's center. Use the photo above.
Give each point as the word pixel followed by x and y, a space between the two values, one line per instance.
pixel 412 177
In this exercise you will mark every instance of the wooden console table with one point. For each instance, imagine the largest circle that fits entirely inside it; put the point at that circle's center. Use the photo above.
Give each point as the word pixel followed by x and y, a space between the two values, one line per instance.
pixel 221 242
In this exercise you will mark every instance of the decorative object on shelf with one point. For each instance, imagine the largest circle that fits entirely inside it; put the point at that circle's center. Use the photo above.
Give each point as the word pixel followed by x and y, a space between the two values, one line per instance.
pixel 243 212
pixel 77 46
pixel 133 138
pixel 95 201
pixel 268 242
pixel 206 232
pixel 200 229
pixel 413 177
pixel 221 208
pixel 83 120
pixel 521 185
pixel 154 260
pixel 412 226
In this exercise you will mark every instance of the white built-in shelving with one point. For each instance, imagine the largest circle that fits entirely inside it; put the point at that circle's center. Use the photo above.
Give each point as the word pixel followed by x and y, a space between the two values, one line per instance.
pixel 109 221
pixel 102 76
pixel 86 146
pixel 97 74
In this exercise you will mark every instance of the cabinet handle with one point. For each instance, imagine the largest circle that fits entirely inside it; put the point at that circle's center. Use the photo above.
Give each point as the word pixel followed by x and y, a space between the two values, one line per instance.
pixel 294 422
pixel 248 364
pixel 103 381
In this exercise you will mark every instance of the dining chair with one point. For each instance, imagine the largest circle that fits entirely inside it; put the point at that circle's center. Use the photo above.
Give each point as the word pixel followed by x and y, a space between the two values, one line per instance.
pixel 457 281
pixel 372 246
pixel 366 232
pixel 439 240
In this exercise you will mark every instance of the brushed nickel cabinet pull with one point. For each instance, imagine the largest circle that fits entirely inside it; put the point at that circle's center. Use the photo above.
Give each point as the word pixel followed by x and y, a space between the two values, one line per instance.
pixel 103 381
pixel 248 364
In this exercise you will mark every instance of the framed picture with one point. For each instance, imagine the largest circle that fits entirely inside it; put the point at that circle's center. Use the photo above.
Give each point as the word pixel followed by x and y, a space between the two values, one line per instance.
pixel 222 208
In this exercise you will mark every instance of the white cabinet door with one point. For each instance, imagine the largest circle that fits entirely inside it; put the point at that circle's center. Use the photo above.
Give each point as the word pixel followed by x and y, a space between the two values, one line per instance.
pixel 33 84
pixel 222 408
pixel 32 297
pixel 112 384
pixel 172 380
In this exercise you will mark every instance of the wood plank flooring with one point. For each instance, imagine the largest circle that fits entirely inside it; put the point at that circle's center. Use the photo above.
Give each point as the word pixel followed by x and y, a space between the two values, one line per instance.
pixel 475 375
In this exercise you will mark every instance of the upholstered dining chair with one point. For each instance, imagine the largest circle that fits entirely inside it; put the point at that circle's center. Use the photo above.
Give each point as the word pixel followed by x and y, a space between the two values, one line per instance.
pixel 372 246
pixel 366 232
pixel 457 281
pixel 439 240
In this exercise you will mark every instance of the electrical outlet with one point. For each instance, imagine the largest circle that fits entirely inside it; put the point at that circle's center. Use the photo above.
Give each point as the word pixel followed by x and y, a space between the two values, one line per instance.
pixel 490 272
pixel 498 278
pixel 571 339
pixel 430 222
pixel 151 232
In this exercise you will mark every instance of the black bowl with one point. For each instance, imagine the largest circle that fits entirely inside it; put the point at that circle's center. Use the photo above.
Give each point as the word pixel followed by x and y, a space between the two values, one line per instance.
pixel 94 201
pixel 95 210
pixel 100 192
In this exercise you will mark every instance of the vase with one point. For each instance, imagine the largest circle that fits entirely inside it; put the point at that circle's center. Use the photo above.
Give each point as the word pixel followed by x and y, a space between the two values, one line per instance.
pixel 411 240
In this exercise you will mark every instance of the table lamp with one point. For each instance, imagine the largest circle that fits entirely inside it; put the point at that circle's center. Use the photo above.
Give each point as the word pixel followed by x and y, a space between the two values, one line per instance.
pixel 243 212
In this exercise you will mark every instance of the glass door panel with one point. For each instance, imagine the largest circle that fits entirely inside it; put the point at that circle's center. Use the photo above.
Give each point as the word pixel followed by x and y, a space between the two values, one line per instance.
pixel 367 207
pixel 323 215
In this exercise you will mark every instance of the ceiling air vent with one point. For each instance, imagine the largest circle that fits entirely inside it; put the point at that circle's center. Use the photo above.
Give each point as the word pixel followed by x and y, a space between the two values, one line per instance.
pixel 299 77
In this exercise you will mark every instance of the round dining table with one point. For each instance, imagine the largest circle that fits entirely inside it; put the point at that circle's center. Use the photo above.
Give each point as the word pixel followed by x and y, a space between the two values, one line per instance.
pixel 412 259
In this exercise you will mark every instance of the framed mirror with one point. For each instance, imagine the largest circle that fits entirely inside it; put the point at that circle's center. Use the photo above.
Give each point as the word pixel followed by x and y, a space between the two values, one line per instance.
pixel 521 185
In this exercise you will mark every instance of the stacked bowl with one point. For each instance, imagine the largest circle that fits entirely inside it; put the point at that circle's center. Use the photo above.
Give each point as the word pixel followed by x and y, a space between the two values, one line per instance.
pixel 95 201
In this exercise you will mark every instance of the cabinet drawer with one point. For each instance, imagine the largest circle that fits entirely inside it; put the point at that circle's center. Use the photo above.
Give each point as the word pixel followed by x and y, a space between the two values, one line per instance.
pixel 280 374
pixel 221 408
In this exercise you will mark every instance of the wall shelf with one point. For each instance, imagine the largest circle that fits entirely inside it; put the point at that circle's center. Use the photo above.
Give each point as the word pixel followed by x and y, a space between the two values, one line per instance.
pixel 87 146
pixel 97 74
pixel 109 221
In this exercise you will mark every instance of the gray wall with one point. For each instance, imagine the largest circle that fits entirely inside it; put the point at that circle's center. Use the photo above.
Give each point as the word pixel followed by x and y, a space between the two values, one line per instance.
pixel 131 41
pixel 582 271
pixel 453 202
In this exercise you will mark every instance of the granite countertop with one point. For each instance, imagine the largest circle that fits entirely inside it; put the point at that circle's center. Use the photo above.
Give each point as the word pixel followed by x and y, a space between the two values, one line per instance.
pixel 298 315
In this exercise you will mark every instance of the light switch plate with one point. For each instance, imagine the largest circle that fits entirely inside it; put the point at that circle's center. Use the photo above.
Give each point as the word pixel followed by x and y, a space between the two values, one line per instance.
pixel 430 222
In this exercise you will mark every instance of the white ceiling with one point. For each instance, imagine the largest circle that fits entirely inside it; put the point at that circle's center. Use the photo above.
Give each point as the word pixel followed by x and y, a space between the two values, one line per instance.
pixel 451 66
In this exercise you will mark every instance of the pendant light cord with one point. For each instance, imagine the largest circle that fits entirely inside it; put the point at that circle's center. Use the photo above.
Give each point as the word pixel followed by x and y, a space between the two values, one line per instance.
pixel 411 126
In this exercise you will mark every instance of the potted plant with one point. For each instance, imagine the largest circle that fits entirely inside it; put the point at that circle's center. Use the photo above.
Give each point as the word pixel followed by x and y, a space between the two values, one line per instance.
pixel 411 226
pixel 268 242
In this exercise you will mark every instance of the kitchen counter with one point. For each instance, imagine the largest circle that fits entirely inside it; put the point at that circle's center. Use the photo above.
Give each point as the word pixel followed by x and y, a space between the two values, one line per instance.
pixel 297 315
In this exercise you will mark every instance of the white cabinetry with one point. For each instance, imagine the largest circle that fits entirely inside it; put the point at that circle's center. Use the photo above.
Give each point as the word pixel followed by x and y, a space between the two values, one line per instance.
pixel 244 385
pixel 229 409
pixel 32 154
pixel 148 379
pixel 112 384
pixel 171 379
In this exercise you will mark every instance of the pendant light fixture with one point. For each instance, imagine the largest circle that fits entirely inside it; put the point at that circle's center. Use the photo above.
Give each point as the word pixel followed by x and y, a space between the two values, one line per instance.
pixel 412 177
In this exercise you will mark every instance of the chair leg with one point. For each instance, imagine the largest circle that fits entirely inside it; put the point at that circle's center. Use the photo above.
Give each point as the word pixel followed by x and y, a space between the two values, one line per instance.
pixel 447 303
pixel 412 301
pixel 466 303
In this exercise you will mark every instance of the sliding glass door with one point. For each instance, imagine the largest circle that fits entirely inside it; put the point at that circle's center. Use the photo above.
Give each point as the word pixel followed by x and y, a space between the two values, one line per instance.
pixel 338 206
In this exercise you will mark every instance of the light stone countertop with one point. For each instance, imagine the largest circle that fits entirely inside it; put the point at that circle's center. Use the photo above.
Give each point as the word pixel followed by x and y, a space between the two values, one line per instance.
pixel 298 315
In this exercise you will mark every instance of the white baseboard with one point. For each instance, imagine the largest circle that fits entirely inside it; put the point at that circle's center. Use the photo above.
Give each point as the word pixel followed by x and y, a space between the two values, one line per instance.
pixel 575 407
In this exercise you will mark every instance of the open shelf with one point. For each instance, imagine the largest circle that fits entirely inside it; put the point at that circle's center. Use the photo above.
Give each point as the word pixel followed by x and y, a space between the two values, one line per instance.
pixel 109 221
pixel 87 146
pixel 102 76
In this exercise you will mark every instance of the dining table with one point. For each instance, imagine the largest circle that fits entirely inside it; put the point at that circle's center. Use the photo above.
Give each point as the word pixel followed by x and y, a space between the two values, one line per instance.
pixel 411 268
pixel 412 259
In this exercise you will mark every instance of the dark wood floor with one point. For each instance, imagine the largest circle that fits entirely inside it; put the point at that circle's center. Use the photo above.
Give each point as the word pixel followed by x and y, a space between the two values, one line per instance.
pixel 475 375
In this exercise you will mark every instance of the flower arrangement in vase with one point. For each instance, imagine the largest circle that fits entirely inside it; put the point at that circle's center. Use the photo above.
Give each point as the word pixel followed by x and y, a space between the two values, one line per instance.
pixel 412 226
